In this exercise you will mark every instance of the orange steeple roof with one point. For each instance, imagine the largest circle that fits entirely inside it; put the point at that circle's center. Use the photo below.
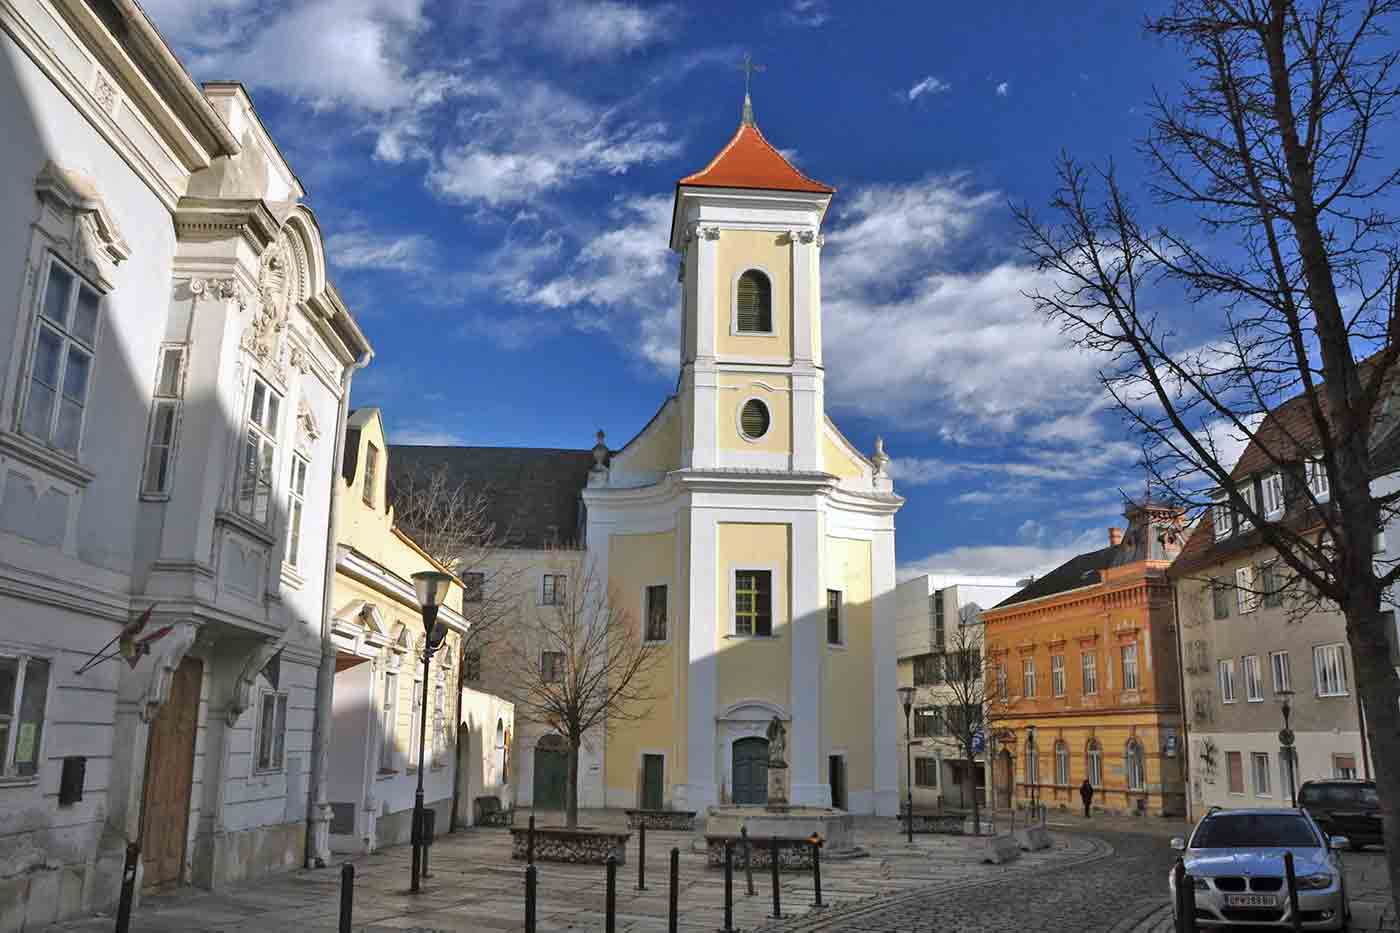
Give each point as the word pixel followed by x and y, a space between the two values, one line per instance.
pixel 750 161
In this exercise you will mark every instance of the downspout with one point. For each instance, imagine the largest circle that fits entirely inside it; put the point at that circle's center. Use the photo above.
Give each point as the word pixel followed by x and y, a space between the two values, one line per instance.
pixel 325 675
pixel 1181 694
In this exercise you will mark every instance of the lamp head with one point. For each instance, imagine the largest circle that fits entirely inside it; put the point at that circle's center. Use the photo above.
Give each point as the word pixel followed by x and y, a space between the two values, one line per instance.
pixel 906 697
pixel 431 587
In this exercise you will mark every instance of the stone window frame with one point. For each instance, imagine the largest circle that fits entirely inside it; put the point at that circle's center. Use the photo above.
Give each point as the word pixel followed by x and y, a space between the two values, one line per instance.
pixel 734 330
pixel 647 630
pixel 166 397
pixel 276 744
pixel 23 658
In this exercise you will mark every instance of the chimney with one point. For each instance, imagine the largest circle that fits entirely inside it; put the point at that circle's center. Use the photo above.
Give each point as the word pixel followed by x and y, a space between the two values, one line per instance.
pixel 1115 537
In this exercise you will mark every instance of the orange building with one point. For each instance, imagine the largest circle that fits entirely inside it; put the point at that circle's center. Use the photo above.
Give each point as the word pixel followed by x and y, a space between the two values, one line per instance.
pixel 1082 677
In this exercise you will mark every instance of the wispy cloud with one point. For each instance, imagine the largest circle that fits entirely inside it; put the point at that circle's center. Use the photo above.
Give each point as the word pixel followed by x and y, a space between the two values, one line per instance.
pixel 929 85
pixel 1003 89
pixel 359 249
pixel 807 13
pixel 1013 560
pixel 425 434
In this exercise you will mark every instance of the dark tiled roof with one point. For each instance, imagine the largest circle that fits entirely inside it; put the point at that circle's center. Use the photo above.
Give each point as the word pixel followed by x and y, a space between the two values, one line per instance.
pixel 1082 570
pixel 533 493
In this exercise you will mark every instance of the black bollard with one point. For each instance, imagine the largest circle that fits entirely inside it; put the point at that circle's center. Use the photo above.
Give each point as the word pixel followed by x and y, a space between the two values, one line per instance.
pixel 610 922
pixel 530 842
pixel 133 857
pixel 347 895
pixel 1295 914
pixel 642 856
pixel 728 888
pixel 530 898
pixel 1185 899
pixel 673 917
pixel 748 859
pixel 777 886
pixel 816 842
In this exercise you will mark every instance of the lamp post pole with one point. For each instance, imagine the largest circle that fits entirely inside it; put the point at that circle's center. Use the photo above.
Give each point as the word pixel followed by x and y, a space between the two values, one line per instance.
pixel 1033 770
pixel 906 696
pixel 1286 739
pixel 431 587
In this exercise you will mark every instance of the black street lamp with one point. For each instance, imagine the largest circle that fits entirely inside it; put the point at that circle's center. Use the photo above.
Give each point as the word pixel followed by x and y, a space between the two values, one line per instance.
pixel 906 697
pixel 431 587
pixel 1033 769
pixel 1285 740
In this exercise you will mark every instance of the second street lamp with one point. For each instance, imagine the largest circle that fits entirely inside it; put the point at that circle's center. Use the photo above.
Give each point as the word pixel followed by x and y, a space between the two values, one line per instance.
pixel 906 697
pixel 1286 740
pixel 431 587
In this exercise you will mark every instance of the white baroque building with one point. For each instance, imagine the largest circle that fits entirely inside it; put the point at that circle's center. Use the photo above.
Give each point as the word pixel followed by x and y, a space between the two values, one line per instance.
pixel 170 413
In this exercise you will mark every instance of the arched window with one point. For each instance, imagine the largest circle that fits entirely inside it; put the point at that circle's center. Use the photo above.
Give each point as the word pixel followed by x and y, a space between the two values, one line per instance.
pixel 1134 766
pixel 754 419
pixel 1061 764
pixel 1032 764
pixel 753 301
pixel 1094 756
pixel 501 750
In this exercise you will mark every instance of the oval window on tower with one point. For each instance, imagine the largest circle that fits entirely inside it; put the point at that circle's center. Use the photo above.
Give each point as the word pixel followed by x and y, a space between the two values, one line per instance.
pixel 754 419
pixel 754 304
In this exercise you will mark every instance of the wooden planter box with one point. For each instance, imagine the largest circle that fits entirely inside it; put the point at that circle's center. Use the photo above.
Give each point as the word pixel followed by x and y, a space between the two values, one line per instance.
pixel 580 846
pixel 683 820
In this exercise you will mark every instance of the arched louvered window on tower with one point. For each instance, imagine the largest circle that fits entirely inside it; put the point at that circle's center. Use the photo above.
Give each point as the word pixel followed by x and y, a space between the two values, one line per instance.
pixel 754 303
pixel 754 419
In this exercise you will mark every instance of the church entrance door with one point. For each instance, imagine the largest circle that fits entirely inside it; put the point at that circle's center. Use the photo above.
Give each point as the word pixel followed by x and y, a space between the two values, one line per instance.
pixel 551 773
pixel 751 771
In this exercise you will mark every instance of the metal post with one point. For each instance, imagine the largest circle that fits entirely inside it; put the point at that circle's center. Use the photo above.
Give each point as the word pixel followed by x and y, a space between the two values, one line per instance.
pixel 610 919
pixel 530 842
pixel 1295 915
pixel 530 882
pixel 728 888
pixel 642 856
pixel 1185 899
pixel 909 776
pixel 674 912
pixel 748 859
pixel 133 858
pixel 347 895
pixel 777 885
pixel 816 842
pixel 418 795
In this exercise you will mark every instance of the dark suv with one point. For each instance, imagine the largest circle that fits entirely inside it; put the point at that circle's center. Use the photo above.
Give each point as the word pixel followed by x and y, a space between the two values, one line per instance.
pixel 1344 808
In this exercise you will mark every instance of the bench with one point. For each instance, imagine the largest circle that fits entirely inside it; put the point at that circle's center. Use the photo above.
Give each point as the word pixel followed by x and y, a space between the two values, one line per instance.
pixel 489 812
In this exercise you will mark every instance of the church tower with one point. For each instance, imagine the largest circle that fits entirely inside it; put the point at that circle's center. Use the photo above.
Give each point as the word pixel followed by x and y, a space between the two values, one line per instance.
pixel 748 230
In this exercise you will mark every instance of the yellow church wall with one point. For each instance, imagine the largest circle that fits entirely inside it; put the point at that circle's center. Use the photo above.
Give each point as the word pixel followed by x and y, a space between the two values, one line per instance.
pixel 837 461
pixel 775 391
pixel 634 563
pixel 848 677
pixel 658 448
pixel 738 251
pixel 680 654
pixel 753 667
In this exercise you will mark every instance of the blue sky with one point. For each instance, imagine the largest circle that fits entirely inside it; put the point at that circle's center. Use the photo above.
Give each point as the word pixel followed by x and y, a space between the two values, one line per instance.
pixel 495 180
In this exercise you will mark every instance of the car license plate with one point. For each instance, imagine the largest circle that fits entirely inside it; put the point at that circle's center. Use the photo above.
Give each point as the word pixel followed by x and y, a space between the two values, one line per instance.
pixel 1250 900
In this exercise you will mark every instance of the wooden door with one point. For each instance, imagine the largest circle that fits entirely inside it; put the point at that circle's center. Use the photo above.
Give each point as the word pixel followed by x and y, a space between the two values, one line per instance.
pixel 751 771
pixel 836 777
pixel 169 774
pixel 653 769
pixel 551 774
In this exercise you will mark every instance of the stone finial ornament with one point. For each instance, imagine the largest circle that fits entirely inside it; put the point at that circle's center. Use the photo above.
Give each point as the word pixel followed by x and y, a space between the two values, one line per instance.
pixel 600 453
pixel 881 459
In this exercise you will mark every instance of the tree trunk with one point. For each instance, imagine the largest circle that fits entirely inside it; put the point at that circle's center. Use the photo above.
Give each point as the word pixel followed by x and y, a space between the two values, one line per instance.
pixel 1379 686
pixel 970 781
pixel 571 788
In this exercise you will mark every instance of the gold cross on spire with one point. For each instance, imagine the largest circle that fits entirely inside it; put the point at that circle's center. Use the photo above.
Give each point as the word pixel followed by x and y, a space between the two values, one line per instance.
pixel 748 67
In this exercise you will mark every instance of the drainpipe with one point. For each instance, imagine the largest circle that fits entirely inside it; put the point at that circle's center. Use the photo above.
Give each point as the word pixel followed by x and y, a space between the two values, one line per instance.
pixel 325 674
pixel 1181 692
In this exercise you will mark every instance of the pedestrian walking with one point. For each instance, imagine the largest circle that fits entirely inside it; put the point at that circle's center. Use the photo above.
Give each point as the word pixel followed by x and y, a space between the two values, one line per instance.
pixel 1086 793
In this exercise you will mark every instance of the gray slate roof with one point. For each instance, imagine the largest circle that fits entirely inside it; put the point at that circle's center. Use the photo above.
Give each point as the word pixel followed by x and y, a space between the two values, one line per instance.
pixel 533 492
pixel 1081 570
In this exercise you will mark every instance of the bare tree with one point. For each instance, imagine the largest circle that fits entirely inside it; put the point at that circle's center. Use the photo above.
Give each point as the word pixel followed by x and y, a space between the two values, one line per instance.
pixel 972 700
pixel 579 665
pixel 1271 150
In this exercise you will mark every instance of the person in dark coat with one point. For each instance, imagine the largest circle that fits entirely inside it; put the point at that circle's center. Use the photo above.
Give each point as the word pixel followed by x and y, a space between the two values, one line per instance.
pixel 1086 793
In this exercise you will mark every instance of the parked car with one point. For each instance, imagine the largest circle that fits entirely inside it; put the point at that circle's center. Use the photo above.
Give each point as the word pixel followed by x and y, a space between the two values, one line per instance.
pixel 1235 862
pixel 1344 808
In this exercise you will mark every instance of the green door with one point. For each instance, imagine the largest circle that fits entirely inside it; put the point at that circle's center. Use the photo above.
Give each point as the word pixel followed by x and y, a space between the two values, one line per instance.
pixel 653 768
pixel 551 773
pixel 751 771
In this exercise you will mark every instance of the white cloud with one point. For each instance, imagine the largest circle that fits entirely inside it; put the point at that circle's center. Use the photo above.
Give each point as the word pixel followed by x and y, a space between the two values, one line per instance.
pixel 426 435
pixel 362 249
pixel 929 85
pixel 600 29
pixel 808 13
pixel 1012 560
pixel 1003 89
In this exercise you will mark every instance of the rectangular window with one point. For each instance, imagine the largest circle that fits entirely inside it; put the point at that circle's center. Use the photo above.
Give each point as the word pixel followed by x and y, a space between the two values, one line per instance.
pixel 928 721
pixel 1271 584
pixel 388 719
pixel 1259 764
pixel 24 692
pixel 415 711
pixel 553 589
pixel 1226 667
pixel 1028 677
pixel 753 602
pixel 1234 768
pixel 1283 677
pixel 1003 689
pixel 834 635
pixel 1245 596
pixel 473 587
pixel 259 450
pixel 1344 766
pixel 1130 667
pixel 471 666
pixel 656 613
pixel 1318 484
pixel 165 412
pixel 296 505
pixel 1330 670
pixel 60 368
pixel 925 772
pixel 272 731
pixel 439 725
pixel 1222 516
pixel 1057 674
pixel 1220 598
pixel 552 667
pixel 371 474
pixel 1253 679
pixel 939 631
pixel 1273 495
pixel 1089 670
pixel 958 718
pixel 928 669
pixel 1247 494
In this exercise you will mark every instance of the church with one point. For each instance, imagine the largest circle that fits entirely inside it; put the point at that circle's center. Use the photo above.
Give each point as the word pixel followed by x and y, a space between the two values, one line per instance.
pixel 751 540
